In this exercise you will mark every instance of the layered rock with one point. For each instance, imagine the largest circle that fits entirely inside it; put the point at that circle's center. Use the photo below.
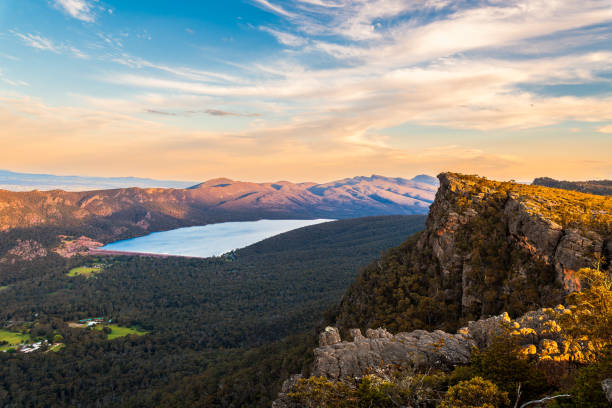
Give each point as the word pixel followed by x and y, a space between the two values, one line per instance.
pixel 537 333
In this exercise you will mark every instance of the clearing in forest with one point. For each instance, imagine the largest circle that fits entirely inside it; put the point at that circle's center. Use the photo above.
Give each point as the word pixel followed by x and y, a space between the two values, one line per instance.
pixel 118 331
pixel 87 271
pixel 12 339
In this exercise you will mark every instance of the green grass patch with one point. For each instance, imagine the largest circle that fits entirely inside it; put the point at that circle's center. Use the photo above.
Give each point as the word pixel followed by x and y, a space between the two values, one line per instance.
pixel 13 339
pixel 87 271
pixel 57 347
pixel 3 288
pixel 119 331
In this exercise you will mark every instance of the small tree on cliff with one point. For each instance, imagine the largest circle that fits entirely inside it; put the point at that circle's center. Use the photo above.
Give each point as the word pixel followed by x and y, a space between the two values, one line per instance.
pixel 590 316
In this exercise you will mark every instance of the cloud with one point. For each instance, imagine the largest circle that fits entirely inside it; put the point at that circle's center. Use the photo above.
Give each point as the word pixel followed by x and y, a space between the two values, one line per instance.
pixel 163 113
pixel 12 82
pixel 211 112
pixel 79 9
pixel 605 129
pixel 36 41
pixel 71 139
pixel 351 82
pixel 78 53
pixel 285 38
pixel 42 43
pixel 276 9
pixel 216 112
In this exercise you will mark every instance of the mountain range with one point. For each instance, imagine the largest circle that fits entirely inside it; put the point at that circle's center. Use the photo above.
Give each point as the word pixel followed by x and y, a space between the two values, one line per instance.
pixel 121 213
pixel 13 181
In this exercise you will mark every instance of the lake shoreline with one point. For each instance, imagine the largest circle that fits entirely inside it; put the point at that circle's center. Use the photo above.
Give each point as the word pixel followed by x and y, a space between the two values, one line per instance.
pixel 104 252
pixel 212 240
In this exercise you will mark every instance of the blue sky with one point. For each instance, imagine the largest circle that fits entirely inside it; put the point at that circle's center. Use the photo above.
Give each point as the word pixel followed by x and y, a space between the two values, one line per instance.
pixel 307 89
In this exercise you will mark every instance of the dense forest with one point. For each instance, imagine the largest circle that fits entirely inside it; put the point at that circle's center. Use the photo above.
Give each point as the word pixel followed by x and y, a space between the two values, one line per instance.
pixel 222 331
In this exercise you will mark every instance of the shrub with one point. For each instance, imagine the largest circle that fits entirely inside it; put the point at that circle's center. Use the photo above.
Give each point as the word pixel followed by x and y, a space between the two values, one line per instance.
pixel 475 393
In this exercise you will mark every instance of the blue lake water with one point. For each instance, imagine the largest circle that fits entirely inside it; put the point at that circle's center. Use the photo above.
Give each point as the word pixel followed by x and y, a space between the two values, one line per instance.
pixel 209 240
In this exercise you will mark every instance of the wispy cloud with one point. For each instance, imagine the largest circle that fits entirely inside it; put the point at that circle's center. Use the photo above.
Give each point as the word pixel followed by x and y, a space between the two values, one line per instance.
pixel 211 112
pixel 217 112
pixel 273 7
pixel 12 82
pixel 605 129
pixel 42 43
pixel 162 113
pixel 285 38
pixel 79 9
pixel 37 41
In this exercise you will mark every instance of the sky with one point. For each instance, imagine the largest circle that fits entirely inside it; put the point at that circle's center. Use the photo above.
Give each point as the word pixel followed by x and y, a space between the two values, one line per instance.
pixel 299 90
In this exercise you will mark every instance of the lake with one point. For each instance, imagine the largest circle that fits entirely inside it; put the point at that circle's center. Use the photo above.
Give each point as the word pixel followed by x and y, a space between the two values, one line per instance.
pixel 209 240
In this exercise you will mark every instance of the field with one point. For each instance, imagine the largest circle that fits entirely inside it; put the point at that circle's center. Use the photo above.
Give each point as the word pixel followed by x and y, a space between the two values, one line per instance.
pixel 3 288
pixel 87 271
pixel 12 338
pixel 118 331
pixel 57 347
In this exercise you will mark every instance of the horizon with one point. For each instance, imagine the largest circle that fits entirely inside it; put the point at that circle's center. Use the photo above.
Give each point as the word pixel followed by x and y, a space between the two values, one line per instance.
pixel 203 181
pixel 306 89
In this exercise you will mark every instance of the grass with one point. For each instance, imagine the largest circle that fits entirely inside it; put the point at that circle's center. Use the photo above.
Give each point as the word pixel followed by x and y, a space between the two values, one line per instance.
pixel 87 271
pixel 3 288
pixel 13 339
pixel 118 331
pixel 57 347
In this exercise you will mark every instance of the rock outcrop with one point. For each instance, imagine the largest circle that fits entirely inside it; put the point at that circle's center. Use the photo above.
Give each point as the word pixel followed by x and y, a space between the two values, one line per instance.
pixel 607 387
pixel 488 246
pixel 27 250
pixel 537 333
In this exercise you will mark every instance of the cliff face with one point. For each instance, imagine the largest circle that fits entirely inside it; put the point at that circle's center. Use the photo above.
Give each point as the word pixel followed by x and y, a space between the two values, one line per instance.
pixel 487 247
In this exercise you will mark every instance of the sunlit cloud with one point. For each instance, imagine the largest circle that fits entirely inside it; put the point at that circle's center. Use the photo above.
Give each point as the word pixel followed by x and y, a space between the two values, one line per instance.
pixel 79 9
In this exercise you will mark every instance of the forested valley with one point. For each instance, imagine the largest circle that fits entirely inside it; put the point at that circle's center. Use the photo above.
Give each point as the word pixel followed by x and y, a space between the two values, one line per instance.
pixel 221 331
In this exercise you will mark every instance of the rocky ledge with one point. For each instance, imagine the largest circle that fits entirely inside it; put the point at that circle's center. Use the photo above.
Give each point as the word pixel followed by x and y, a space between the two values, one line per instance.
pixel 537 333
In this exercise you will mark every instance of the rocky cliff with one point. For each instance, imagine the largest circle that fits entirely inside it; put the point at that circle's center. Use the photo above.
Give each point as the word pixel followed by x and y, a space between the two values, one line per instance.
pixel 488 247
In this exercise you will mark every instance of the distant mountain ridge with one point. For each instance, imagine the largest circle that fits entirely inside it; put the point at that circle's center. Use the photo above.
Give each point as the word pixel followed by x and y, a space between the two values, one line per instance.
pixel 121 213
pixel 14 181
pixel 599 187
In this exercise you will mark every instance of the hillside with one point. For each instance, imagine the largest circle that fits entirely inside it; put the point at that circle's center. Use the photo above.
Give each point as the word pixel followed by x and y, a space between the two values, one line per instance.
pixel 106 215
pixel 487 247
pixel 599 187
